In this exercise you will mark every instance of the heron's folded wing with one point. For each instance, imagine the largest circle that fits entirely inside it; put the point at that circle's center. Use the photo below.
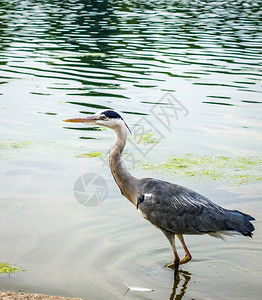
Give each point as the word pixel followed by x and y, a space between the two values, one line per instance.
pixel 182 211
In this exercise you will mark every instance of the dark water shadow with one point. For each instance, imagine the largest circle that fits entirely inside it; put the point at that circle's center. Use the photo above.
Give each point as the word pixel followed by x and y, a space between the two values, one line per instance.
pixel 179 292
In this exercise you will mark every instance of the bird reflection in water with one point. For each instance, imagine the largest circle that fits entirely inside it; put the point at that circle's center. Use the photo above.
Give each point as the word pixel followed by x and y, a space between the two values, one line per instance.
pixel 180 277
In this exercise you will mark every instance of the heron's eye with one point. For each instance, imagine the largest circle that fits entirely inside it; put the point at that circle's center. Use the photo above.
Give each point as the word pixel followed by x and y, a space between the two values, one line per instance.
pixel 104 117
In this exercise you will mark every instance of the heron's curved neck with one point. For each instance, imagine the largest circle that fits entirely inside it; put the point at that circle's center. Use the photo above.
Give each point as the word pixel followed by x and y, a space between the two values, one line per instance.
pixel 124 180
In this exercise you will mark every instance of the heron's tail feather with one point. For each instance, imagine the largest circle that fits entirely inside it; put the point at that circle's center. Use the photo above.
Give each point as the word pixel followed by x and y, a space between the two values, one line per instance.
pixel 240 222
pixel 246 216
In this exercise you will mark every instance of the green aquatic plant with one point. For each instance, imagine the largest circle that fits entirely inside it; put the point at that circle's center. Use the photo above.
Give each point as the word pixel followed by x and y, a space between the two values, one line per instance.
pixel 248 178
pixel 10 147
pixel 91 154
pixel 6 268
pixel 13 145
pixel 149 138
pixel 240 170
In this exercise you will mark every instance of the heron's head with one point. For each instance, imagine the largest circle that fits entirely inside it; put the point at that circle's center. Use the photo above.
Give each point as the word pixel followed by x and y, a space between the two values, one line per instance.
pixel 108 118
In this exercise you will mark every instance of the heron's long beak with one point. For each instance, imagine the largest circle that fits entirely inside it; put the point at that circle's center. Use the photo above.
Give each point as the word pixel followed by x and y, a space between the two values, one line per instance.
pixel 83 120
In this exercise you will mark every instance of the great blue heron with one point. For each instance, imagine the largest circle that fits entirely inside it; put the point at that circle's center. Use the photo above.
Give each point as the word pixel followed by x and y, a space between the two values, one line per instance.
pixel 174 209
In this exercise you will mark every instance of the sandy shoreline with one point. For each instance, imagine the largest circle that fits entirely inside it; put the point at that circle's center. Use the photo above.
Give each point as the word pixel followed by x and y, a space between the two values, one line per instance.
pixel 29 296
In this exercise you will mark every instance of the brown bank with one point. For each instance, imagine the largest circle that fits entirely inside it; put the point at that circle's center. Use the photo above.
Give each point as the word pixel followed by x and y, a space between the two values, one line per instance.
pixel 25 296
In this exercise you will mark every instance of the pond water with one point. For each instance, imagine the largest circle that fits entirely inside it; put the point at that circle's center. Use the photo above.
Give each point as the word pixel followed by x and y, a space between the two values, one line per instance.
pixel 186 77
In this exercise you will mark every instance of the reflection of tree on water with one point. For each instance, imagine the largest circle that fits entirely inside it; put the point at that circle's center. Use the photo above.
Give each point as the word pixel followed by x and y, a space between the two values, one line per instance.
pixel 178 294
pixel 5 32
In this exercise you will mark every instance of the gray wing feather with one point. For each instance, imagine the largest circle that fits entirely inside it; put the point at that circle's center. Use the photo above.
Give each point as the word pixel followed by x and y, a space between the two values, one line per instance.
pixel 180 210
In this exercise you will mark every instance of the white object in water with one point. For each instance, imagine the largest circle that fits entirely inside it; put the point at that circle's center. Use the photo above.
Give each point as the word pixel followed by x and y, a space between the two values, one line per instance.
pixel 137 289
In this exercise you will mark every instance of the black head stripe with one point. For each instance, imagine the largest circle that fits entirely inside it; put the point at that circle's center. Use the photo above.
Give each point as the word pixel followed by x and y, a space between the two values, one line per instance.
pixel 112 114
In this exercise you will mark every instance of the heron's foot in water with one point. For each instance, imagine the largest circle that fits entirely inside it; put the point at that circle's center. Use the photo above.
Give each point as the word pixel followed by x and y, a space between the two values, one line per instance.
pixel 173 266
pixel 186 259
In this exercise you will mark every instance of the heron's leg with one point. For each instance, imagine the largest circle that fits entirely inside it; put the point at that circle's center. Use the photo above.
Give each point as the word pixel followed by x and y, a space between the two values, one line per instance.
pixel 188 256
pixel 171 238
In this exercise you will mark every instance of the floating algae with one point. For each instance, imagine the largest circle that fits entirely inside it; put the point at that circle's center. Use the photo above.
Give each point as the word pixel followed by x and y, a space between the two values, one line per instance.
pixel 6 268
pixel 9 147
pixel 239 170
pixel 149 138
pixel 13 145
pixel 146 138
pixel 91 154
